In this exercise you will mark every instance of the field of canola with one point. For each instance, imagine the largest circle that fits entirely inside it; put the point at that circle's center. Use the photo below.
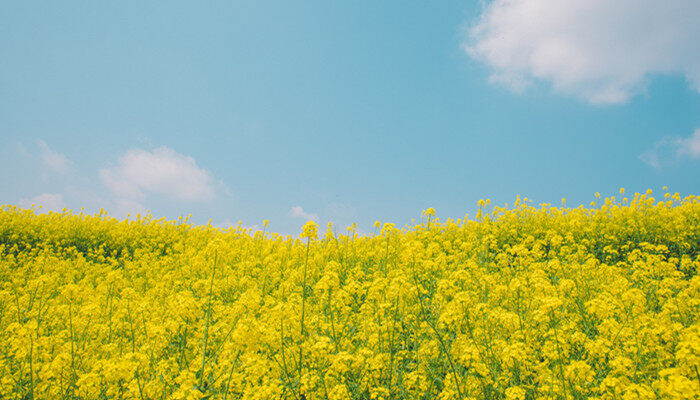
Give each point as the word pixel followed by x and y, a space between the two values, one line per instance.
pixel 521 302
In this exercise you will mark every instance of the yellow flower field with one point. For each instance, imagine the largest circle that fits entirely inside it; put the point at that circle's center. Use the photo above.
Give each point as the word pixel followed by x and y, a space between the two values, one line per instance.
pixel 523 302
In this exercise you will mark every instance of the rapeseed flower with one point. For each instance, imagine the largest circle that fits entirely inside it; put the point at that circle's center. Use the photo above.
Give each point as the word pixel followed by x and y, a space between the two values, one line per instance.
pixel 520 303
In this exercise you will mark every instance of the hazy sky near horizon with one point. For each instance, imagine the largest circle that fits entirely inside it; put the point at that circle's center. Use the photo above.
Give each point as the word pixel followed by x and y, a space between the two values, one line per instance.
pixel 344 111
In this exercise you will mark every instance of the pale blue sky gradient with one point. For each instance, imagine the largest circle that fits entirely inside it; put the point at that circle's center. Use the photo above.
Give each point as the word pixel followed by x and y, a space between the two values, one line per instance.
pixel 354 111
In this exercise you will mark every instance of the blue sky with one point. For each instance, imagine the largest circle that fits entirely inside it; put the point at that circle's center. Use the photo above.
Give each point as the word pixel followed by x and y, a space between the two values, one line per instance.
pixel 344 111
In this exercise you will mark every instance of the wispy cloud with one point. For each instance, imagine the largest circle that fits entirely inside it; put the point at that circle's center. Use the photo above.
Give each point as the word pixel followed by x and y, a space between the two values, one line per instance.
pixel 138 180
pixel 52 160
pixel 671 149
pixel 124 207
pixel 48 201
pixel 162 171
pixel 298 212
pixel 602 51
pixel 690 146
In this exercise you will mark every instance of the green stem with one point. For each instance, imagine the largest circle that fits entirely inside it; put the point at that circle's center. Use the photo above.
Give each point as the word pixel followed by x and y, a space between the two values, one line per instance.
pixel 206 329
pixel 31 366
pixel 303 304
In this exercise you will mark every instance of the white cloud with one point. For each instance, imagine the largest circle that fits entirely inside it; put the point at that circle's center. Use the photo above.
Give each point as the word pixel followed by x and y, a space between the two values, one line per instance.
pixel 670 149
pixel 602 51
pixel 298 212
pixel 124 207
pixel 48 201
pixel 228 223
pixel 690 146
pixel 56 162
pixel 162 171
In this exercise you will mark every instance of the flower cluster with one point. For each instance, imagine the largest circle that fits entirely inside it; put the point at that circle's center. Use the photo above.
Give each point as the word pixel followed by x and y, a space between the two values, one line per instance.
pixel 521 302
